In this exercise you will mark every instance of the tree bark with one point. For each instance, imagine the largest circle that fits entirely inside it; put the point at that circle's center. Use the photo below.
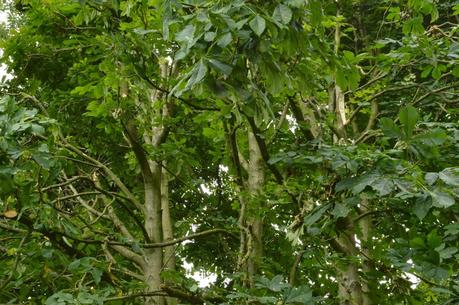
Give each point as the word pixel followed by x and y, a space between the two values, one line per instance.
pixel 168 233
pixel 255 183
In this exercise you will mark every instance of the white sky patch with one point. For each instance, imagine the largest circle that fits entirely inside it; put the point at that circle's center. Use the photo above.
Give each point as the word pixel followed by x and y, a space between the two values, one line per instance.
pixel 411 277
pixel 358 243
pixel 292 123
pixel 203 278
pixel 205 189
pixel 3 73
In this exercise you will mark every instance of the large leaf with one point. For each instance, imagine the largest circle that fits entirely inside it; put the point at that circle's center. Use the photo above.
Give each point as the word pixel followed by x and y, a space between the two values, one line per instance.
pixel 282 14
pixel 186 35
pixel 275 284
pixel 301 295
pixel 450 176
pixel 389 128
pixel 315 215
pixel 422 207
pixel 258 25
pixel 441 199
pixel 408 116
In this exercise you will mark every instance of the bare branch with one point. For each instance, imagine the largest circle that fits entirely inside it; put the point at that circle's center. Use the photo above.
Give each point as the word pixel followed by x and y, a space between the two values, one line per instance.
pixel 128 254
pixel 68 181
pixel 74 196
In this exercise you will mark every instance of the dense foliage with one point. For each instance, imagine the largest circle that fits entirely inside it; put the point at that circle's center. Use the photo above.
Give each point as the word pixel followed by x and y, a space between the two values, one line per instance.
pixel 300 152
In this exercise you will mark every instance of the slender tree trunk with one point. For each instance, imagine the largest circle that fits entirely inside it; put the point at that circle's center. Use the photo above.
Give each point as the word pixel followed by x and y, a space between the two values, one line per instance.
pixel 255 183
pixel 365 229
pixel 350 288
pixel 168 233
pixel 157 216
pixel 153 225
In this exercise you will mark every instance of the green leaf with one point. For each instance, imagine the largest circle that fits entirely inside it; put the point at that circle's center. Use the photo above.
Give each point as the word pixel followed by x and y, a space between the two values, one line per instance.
pixel 60 298
pixel 302 295
pixel 441 199
pixel 315 215
pixel 186 35
pixel 96 275
pixel 340 210
pixel 85 298
pixel 209 36
pixel 258 25
pixel 417 242
pixel 434 272
pixel 282 14
pixel 221 67
pixel 455 71
pixel 433 240
pixel 456 10
pixel 383 186
pixel 360 183
pixel 426 71
pixel 389 128
pixel 224 40
pixel 450 176
pixel 408 116
pixel 448 252
pixel 431 178
pixel 413 26
pixel 276 284
pixel 198 74
pixel 422 207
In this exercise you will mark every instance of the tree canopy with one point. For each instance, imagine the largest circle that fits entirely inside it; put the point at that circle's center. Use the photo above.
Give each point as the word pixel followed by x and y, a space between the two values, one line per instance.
pixel 299 151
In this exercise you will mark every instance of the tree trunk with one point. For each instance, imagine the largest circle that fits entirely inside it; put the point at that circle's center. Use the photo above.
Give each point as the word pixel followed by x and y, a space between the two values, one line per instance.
pixel 365 229
pixel 168 233
pixel 153 226
pixel 349 283
pixel 255 183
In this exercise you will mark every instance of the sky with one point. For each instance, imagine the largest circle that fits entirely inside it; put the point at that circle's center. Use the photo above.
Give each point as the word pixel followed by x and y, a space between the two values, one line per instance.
pixel 3 19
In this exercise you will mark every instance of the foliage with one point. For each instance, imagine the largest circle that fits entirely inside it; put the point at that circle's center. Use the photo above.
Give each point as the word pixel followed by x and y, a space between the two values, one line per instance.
pixel 302 152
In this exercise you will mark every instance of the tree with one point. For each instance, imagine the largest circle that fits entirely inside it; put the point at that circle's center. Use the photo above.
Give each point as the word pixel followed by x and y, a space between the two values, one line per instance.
pixel 301 151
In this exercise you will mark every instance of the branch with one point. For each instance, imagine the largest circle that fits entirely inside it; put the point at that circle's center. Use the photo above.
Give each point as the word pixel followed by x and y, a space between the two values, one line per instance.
pixel 74 196
pixel 188 237
pixel 132 136
pixel 235 154
pixel 137 295
pixel 299 117
pixel 297 261
pixel 264 150
pixel 68 181
pixel 147 245
pixel 12 229
pixel 373 115
pixel 128 254
pixel 129 273
pixel 363 215
pixel 107 171
pixel 190 297
pixel 280 122
pixel 420 99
